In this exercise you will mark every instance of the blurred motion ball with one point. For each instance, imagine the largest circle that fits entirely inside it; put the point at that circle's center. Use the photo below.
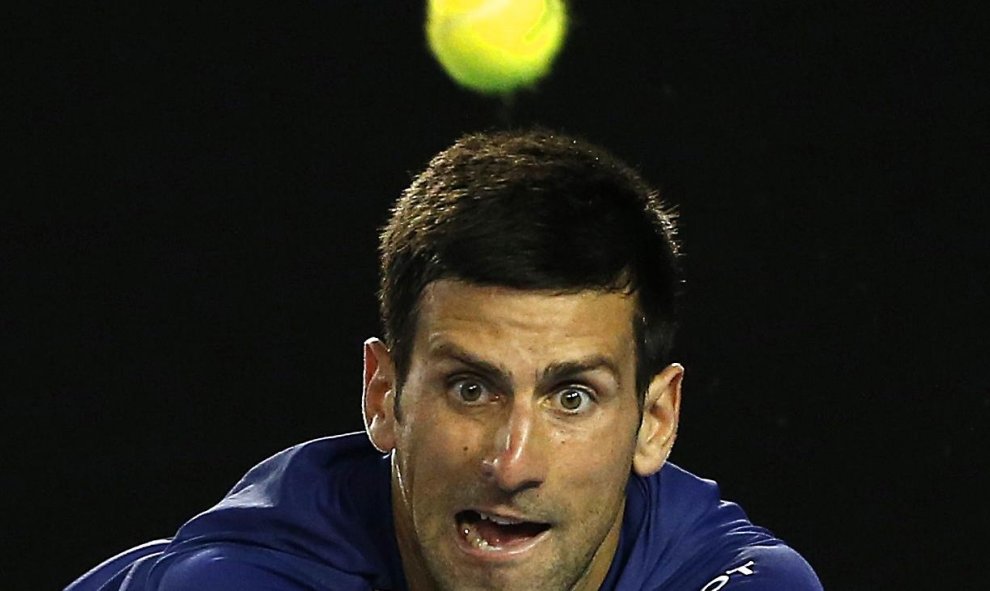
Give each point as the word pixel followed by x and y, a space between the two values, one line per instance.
pixel 495 46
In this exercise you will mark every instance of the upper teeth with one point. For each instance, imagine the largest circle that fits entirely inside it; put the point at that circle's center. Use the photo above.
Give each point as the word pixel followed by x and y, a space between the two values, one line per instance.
pixel 499 520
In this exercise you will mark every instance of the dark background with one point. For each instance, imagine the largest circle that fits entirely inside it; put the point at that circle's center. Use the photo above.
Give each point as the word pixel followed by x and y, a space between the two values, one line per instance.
pixel 189 254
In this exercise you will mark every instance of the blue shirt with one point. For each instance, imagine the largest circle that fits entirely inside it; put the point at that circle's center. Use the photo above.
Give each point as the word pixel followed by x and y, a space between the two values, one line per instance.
pixel 318 516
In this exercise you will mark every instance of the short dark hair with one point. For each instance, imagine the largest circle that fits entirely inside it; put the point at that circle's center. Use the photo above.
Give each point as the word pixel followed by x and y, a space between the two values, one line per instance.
pixel 531 210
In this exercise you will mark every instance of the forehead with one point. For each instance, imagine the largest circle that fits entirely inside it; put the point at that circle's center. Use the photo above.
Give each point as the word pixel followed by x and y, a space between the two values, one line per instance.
pixel 539 324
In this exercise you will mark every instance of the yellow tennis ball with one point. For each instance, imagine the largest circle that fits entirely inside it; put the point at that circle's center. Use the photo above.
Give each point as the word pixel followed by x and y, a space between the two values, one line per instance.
pixel 495 46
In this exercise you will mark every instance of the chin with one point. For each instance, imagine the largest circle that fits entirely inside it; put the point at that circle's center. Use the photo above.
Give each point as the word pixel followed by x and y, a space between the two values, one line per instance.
pixel 466 570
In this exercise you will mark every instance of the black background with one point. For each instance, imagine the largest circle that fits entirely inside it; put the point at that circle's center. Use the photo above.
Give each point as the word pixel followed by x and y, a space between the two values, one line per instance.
pixel 189 254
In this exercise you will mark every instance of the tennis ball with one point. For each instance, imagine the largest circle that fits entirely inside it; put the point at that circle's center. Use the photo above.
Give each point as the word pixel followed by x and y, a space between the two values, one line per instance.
pixel 495 46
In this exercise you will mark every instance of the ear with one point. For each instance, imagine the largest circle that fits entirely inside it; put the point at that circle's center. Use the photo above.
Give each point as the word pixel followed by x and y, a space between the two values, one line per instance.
pixel 658 428
pixel 378 398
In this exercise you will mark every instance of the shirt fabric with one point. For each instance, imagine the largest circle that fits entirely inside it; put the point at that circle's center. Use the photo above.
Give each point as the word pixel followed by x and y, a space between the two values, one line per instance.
pixel 318 516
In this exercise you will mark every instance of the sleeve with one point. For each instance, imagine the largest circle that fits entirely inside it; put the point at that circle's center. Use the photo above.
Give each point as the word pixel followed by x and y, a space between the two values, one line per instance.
pixel 242 568
pixel 210 569
pixel 110 574
pixel 766 568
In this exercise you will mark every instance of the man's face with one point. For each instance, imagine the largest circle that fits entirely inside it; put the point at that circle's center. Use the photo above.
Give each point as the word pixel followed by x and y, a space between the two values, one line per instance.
pixel 518 429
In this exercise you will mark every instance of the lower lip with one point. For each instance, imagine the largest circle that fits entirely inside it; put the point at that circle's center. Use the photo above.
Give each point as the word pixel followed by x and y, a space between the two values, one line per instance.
pixel 514 551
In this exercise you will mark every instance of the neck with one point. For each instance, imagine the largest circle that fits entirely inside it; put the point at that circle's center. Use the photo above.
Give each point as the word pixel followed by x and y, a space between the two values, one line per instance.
pixel 416 575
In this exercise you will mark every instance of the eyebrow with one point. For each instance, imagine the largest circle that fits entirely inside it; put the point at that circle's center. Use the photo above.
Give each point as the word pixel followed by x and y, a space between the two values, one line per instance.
pixel 555 372
pixel 500 375
pixel 563 370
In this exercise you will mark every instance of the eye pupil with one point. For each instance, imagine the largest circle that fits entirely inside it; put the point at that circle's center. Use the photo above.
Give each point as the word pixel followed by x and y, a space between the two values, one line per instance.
pixel 470 391
pixel 571 399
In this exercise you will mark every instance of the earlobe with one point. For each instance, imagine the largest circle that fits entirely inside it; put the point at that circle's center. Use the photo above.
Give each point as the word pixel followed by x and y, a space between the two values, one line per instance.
pixel 658 428
pixel 379 395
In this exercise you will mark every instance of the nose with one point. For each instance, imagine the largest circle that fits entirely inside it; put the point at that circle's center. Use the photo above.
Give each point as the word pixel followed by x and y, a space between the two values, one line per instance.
pixel 518 459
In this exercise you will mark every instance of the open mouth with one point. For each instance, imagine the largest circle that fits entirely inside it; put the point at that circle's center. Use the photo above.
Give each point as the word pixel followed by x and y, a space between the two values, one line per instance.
pixel 490 532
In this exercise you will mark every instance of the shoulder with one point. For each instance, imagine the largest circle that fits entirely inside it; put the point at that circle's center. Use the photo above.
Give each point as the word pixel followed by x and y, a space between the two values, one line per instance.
pixel 681 535
pixel 318 509
pixel 316 515
pixel 302 461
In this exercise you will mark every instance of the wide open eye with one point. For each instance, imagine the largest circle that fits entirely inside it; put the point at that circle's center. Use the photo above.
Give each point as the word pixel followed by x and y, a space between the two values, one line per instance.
pixel 573 400
pixel 468 390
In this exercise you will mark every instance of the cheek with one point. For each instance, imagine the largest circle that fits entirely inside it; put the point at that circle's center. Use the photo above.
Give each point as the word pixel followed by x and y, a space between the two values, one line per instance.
pixel 597 458
pixel 440 452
